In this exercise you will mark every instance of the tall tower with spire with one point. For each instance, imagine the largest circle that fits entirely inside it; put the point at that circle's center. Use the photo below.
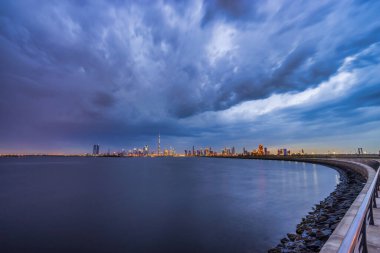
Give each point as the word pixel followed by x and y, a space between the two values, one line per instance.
pixel 159 145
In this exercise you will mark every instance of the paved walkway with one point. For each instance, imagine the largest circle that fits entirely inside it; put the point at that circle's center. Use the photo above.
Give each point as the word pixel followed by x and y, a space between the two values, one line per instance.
pixel 373 231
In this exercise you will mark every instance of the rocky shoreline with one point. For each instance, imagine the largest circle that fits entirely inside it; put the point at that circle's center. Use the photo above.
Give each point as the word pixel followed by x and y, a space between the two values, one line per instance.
pixel 315 229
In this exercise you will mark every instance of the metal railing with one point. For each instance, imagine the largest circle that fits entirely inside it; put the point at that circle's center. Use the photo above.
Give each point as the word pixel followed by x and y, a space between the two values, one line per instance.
pixel 356 237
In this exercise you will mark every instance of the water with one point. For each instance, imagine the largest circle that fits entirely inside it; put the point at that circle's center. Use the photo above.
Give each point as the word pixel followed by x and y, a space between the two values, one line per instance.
pixel 57 204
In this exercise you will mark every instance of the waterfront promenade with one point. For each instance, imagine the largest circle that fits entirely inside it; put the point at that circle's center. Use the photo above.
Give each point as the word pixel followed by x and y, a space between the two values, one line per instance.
pixel 359 230
pixel 373 231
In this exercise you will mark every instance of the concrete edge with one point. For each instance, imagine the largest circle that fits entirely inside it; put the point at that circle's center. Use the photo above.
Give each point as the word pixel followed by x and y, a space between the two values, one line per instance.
pixel 335 240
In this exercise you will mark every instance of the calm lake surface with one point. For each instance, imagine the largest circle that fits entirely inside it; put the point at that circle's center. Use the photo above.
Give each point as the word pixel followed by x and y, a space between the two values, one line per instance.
pixel 57 204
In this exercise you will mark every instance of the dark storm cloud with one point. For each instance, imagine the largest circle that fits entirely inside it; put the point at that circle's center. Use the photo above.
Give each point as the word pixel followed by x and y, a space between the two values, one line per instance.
pixel 103 99
pixel 82 71
pixel 240 10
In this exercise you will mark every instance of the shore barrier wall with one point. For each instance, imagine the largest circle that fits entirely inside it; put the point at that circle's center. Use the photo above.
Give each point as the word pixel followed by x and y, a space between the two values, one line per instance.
pixel 367 169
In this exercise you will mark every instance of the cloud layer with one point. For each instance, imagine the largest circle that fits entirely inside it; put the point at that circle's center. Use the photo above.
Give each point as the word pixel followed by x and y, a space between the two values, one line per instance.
pixel 206 73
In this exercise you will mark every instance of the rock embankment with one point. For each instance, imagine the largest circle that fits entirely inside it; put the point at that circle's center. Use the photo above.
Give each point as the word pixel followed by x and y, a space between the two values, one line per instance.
pixel 318 225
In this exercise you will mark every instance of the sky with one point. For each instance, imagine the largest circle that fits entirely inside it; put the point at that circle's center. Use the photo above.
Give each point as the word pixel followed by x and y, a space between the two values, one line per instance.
pixel 286 74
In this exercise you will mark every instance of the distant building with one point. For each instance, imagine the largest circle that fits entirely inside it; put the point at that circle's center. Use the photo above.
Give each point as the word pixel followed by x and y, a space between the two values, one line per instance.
pixel 283 151
pixel 260 150
pixel 95 149
pixel 159 145
pixel 146 150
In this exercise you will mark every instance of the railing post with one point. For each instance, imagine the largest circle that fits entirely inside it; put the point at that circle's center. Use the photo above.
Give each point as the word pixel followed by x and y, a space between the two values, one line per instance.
pixel 374 200
pixel 371 215
pixel 364 237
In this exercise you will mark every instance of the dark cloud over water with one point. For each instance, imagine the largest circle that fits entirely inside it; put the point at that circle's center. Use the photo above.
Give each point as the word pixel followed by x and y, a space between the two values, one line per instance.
pixel 73 73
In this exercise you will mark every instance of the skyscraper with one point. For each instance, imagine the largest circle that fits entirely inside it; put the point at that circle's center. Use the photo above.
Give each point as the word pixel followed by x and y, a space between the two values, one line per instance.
pixel 260 150
pixel 146 150
pixel 159 145
pixel 95 149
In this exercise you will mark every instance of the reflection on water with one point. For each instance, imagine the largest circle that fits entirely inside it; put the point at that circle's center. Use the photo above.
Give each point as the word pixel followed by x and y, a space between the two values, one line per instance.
pixel 154 205
pixel 315 178
pixel 337 179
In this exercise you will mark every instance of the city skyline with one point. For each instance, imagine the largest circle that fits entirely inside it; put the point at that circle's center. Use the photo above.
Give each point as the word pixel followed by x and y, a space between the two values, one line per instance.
pixel 199 73
pixel 260 150
pixel 207 150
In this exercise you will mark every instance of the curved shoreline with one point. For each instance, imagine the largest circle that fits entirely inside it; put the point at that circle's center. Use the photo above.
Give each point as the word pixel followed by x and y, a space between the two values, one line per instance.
pixel 316 227
pixel 319 224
